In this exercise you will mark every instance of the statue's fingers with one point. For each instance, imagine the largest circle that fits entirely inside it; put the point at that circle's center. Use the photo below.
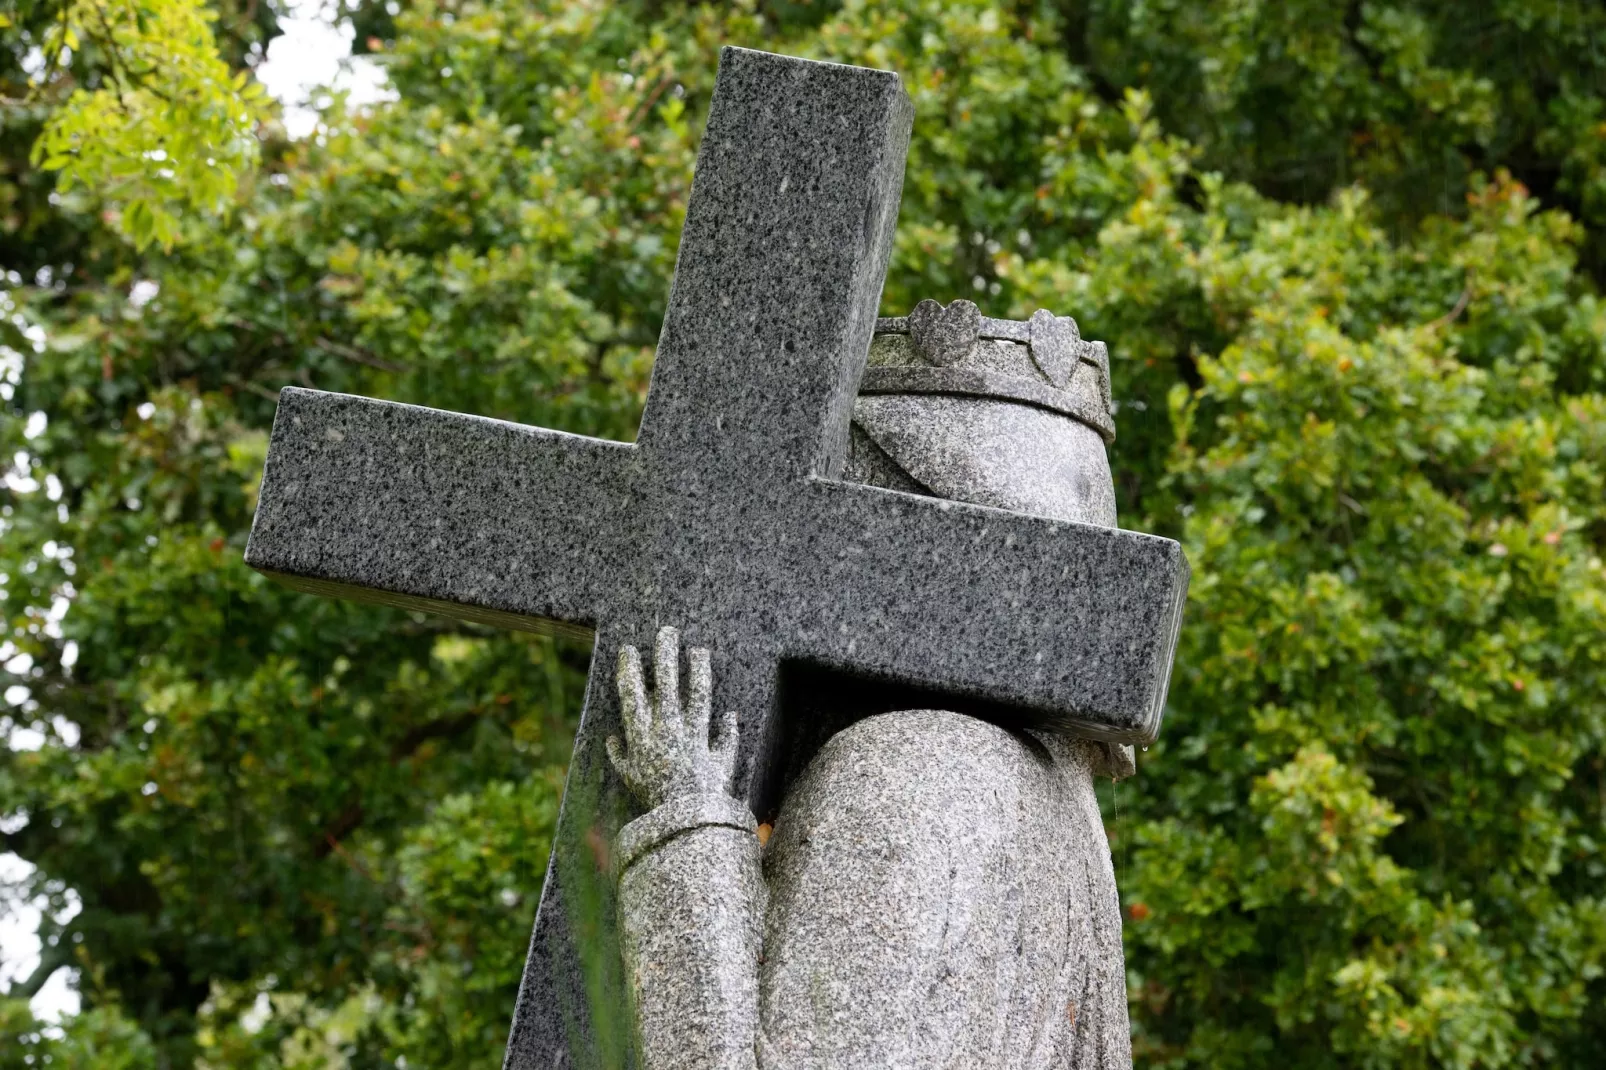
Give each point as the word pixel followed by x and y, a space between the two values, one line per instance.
pixel 724 749
pixel 700 697
pixel 666 673
pixel 633 708
pixel 616 755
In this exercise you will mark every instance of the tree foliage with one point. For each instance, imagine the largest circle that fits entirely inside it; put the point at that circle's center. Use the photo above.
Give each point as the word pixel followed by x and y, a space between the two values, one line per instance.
pixel 1412 99
pixel 163 125
pixel 1343 256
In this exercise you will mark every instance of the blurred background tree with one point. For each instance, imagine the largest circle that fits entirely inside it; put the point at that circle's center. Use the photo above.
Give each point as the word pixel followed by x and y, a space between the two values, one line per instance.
pixel 1347 257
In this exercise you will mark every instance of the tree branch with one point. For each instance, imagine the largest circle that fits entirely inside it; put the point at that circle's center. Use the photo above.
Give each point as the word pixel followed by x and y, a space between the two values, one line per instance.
pixel 350 860
pixel 356 355
pixel 1455 313
pixel 344 823
pixel 260 391
pixel 441 729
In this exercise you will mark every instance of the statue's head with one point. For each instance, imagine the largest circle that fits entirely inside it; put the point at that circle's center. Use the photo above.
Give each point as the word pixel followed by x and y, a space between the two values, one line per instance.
pixel 1005 413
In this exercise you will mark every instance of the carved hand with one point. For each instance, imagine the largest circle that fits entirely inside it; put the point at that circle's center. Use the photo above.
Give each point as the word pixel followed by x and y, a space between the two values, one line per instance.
pixel 670 753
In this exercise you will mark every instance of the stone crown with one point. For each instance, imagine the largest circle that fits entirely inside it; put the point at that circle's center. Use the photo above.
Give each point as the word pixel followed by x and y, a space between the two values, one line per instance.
pixel 954 349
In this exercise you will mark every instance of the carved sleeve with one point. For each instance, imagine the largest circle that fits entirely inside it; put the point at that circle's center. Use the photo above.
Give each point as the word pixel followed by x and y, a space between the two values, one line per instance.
pixel 691 910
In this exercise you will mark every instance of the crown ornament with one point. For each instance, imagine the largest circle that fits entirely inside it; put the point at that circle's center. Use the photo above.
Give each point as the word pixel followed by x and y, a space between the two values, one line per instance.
pixel 955 350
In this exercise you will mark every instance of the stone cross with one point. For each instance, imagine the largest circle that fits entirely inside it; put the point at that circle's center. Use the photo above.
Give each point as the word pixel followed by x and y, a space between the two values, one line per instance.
pixel 724 518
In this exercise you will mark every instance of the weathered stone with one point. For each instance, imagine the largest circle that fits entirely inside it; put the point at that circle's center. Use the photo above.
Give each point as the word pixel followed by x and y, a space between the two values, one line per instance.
pixel 941 894
pixel 724 517
pixel 947 443
pixel 1053 346
pixel 1046 367
pixel 939 891
pixel 944 336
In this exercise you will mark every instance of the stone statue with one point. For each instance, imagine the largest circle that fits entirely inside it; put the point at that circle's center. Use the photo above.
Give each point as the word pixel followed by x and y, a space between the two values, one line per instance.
pixel 938 890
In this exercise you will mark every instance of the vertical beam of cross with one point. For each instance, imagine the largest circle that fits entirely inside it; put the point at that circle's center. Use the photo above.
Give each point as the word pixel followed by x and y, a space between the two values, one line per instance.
pixel 777 282
pixel 779 273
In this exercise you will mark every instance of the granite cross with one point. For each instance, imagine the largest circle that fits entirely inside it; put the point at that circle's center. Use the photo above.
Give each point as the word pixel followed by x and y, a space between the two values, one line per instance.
pixel 724 518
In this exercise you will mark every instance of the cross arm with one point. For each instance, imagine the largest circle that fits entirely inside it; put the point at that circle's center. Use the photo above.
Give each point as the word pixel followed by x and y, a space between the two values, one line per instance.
pixel 475 518
pixel 1073 625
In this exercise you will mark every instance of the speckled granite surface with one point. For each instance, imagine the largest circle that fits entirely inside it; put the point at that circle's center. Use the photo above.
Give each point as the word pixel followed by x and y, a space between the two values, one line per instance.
pixel 725 518
pixel 938 892
pixel 941 895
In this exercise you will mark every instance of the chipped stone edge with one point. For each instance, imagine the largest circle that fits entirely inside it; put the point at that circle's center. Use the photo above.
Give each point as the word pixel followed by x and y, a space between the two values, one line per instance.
pixel 1114 760
pixel 675 817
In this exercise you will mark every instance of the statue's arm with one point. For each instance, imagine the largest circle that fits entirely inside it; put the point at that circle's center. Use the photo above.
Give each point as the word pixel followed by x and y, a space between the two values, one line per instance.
pixel 691 895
